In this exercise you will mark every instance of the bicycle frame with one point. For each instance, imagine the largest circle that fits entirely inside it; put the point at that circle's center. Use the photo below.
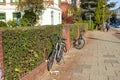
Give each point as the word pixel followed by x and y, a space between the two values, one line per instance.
pixel 56 53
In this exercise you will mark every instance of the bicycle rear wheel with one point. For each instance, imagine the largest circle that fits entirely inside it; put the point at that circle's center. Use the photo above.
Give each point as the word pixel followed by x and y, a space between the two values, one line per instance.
pixel 59 56
pixel 79 44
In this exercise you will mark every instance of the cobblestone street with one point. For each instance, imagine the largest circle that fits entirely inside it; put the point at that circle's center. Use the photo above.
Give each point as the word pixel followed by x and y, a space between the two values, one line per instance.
pixel 98 60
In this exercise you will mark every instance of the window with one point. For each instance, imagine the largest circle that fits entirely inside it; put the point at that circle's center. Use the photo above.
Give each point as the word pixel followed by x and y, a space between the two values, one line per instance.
pixel 14 1
pixel 59 18
pixel 74 2
pixel 2 1
pixel 2 17
pixel 52 17
pixel 16 17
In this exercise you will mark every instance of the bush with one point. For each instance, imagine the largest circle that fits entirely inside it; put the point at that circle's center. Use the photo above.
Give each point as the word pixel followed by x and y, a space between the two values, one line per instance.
pixel 73 31
pixel 29 18
pixel 91 25
pixel 68 20
pixel 24 47
pixel 3 24
pixel 12 24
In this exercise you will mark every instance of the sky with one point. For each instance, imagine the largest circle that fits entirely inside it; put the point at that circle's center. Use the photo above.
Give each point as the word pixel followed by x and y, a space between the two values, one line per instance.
pixel 117 4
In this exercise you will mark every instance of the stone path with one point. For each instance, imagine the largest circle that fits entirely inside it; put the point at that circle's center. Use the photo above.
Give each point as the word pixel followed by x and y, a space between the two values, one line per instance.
pixel 98 60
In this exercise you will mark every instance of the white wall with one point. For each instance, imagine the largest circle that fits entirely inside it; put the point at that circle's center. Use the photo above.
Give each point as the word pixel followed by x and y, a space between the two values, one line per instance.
pixel 63 0
pixel 45 19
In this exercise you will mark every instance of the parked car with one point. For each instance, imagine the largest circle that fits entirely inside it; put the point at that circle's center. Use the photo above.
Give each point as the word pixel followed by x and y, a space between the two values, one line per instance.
pixel 115 25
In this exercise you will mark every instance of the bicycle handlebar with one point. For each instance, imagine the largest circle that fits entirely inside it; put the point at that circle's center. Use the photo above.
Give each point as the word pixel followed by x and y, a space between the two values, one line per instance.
pixel 59 37
pixel 62 38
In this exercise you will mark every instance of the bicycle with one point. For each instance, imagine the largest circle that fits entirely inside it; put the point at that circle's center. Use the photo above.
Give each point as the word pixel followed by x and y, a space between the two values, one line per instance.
pixel 57 52
pixel 79 42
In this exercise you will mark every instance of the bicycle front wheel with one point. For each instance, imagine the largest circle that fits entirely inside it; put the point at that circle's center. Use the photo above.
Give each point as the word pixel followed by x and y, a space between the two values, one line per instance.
pixel 51 60
pixel 79 44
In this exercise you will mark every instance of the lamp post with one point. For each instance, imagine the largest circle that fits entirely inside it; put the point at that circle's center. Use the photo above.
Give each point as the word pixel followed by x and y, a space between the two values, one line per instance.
pixel 103 18
pixel 90 20
pixel 103 13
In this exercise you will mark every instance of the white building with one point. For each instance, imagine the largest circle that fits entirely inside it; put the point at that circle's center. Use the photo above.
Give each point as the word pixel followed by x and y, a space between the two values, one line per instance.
pixel 117 12
pixel 8 10
pixel 50 16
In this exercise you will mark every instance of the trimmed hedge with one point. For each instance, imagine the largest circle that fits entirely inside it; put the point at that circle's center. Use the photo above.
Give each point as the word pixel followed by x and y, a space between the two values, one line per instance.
pixel 23 48
pixel 91 25
pixel 74 29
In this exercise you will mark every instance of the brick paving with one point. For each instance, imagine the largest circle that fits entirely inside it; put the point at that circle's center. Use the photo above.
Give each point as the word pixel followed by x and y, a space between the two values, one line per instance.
pixel 98 60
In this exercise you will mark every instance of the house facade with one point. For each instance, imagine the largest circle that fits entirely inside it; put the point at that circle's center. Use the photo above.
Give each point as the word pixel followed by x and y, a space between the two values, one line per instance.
pixel 117 12
pixel 51 15
pixel 8 10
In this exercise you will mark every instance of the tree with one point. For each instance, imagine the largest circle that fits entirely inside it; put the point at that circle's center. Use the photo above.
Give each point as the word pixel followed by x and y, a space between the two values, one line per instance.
pixel 111 5
pixel 101 14
pixel 77 14
pixel 88 8
pixel 35 5
pixel 32 10
pixel 72 14
pixel 113 17
pixel 29 18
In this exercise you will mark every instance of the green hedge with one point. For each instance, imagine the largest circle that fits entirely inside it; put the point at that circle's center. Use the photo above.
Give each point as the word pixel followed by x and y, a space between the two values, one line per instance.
pixel 74 29
pixel 91 25
pixel 23 48
pixel 3 24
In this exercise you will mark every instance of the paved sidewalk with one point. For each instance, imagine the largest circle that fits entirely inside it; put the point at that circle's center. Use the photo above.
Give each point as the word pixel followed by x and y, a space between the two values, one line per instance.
pixel 98 60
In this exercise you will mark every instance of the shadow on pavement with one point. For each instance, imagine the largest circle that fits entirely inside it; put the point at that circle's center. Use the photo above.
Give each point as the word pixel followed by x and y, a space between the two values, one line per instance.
pixel 102 40
pixel 117 34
